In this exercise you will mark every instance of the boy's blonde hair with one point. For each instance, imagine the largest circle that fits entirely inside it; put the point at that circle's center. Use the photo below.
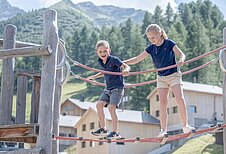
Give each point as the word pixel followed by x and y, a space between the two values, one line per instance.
pixel 102 42
pixel 156 28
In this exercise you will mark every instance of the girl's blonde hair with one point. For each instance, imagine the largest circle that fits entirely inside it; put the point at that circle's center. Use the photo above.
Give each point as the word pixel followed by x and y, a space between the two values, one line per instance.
pixel 156 28
pixel 102 42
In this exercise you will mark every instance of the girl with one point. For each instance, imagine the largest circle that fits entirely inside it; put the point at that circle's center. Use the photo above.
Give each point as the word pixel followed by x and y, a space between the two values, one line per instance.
pixel 163 52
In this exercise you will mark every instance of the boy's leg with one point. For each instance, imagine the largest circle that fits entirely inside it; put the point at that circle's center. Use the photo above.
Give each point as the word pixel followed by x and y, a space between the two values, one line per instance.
pixel 114 117
pixel 100 111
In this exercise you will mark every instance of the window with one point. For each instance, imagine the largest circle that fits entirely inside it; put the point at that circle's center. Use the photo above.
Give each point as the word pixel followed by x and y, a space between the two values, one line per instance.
pixel 84 127
pixel 175 109
pixel 120 143
pixel 71 135
pixel 83 144
pixel 193 109
pixel 157 97
pixel 92 125
pixel 62 134
pixel 91 144
pixel 101 143
pixel 157 113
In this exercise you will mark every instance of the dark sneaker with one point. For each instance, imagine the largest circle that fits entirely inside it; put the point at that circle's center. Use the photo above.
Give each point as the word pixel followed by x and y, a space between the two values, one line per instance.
pixel 100 132
pixel 114 135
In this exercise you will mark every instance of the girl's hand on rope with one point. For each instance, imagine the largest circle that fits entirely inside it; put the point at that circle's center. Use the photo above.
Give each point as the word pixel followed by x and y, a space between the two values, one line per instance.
pixel 180 62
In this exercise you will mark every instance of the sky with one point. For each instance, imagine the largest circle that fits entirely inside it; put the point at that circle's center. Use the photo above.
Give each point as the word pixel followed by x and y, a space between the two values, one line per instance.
pixel 148 5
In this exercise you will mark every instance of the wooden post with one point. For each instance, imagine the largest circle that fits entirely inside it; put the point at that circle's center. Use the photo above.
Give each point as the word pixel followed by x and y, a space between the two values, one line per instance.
pixel 224 93
pixel 35 99
pixel 48 81
pixel 7 76
pixel 22 82
pixel 57 102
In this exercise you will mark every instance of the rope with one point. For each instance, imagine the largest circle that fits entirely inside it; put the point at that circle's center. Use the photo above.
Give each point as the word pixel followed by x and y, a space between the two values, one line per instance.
pixel 142 83
pixel 147 71
pixel 138 139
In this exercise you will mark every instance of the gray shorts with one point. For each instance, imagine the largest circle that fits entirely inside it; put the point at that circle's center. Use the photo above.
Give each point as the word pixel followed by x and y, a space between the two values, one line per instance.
pixel 113 96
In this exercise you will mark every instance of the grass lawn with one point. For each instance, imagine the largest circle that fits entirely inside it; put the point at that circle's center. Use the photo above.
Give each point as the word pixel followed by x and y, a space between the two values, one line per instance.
pixel 201 145
pixel 75 89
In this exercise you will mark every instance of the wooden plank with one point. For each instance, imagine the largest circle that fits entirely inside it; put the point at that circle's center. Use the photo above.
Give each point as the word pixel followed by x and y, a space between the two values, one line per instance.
pixel 48 81
pixel 24 151
pixel 21 139
pixel 7 80
pixel 25 52
pixel 35 98
pixel 57 100
pixel 20 44
pixel 22 82
pixel 224 92
pixel 18 130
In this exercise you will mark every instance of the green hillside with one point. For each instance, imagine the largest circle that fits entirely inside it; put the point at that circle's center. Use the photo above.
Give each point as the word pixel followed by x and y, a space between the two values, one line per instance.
pixel 202 145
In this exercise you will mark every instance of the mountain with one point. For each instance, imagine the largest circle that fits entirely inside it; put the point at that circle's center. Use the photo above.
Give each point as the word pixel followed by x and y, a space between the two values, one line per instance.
pixel 7 11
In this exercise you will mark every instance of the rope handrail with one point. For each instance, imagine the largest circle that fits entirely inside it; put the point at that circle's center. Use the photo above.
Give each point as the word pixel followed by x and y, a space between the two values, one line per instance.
pixel 146 82
pixel 147 71
pixel 153 139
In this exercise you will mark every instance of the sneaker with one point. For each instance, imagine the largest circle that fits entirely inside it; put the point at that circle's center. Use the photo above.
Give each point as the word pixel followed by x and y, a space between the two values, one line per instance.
pixel 162 133
pixel 100 132
pixel 114 135
pixel 188 129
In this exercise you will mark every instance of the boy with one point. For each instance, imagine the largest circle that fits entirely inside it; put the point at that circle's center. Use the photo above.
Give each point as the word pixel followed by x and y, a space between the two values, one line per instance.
pixel 113 92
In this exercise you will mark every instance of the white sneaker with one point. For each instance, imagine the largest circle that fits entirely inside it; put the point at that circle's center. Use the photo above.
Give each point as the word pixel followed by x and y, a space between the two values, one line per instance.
pixel 188 129
pixel 162 133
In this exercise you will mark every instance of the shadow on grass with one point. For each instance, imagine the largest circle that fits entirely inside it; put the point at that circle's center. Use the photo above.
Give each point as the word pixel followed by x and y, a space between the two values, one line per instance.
pixel 91 93
pixel 213 149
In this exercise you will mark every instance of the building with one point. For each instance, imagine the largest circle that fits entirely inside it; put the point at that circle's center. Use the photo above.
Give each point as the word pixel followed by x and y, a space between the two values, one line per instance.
pixel 66 129
pixel 131 124
pixel 204 104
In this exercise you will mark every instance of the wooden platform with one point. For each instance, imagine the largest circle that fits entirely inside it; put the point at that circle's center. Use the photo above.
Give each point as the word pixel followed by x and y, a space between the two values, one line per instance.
pixel 26 133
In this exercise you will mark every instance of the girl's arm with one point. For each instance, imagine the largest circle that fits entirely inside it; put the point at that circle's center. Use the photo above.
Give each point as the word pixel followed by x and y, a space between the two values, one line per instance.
pixel 180 54
pixel 136 59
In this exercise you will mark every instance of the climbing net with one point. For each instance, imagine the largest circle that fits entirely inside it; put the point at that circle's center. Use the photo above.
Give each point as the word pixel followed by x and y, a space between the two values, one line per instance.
pixel 160 140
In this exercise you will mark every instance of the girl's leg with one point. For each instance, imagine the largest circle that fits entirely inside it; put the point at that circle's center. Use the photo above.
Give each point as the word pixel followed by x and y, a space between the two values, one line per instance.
pixel 100 111
pixel 179 97
pixel 114 117
pixel 163 100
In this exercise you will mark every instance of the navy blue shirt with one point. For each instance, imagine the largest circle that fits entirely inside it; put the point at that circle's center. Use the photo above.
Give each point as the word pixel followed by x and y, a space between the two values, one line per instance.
pixel 113 64
pixel 163 56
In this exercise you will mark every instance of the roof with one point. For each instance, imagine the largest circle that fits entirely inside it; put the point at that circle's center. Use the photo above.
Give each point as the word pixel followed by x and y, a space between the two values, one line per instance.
pixel 127 116
pixel 82 105
pixel 133 116
pixel 68 121
pixel 197 87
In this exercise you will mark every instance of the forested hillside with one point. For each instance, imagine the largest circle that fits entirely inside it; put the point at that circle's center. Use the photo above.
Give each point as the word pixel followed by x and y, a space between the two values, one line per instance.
pixel 196 27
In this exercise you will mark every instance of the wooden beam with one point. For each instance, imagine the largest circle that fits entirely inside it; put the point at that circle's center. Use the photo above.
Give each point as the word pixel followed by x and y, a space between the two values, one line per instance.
pixel 7 79
pixel 48 81
pixel 25 52
pixel 224 93
pixel 24 151
pixel 26 133
pixel 20 44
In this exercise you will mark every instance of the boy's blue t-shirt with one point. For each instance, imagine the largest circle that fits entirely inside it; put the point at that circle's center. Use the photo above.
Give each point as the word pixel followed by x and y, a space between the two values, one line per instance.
pixel 113 64
pixel 163 56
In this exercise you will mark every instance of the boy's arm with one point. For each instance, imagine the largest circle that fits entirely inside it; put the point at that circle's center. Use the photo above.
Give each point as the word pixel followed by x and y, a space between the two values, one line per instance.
pixel 125 69
pixel 93 77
